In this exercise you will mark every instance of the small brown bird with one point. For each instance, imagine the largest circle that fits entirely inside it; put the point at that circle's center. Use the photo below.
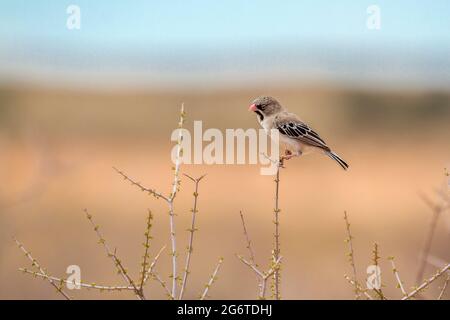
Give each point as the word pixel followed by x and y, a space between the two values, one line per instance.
pixel 296 136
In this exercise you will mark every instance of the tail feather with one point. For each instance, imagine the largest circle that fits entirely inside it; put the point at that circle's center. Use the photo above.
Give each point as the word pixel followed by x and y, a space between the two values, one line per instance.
pixel 338 159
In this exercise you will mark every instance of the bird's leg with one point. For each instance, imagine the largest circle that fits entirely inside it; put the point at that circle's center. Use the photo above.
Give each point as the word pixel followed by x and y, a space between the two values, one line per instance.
pixel 288 154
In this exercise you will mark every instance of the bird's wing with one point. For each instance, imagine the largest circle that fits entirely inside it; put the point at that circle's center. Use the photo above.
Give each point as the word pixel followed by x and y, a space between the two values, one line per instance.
pixel 292 127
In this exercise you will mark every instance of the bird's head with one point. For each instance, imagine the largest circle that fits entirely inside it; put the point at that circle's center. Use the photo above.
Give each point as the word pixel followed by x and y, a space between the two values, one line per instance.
pixel 265 107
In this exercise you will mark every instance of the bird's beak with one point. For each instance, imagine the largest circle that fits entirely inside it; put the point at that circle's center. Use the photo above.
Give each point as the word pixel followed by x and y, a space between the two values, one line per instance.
pixel 253 108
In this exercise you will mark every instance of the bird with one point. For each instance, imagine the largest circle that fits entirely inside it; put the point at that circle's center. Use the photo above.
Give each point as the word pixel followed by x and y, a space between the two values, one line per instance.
pixel 296 136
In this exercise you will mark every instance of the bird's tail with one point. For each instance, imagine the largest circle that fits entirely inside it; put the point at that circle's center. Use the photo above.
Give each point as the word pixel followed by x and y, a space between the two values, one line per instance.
pixel 338 159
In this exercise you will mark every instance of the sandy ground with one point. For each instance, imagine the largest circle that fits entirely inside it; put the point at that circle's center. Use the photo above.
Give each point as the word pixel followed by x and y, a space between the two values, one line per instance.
pixel 57 159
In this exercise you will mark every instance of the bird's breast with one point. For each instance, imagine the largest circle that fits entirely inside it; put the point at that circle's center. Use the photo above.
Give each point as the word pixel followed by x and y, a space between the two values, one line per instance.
pixel 267 124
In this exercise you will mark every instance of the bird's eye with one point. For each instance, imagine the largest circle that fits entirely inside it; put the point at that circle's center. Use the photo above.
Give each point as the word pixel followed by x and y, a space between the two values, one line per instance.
pixel 261 107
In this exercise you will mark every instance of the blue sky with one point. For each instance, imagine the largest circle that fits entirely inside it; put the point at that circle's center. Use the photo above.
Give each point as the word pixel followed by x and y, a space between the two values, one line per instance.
pixel 227 23
pixel 113 32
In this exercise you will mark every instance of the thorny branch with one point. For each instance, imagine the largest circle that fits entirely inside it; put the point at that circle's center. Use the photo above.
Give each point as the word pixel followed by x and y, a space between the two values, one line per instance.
pixel 375 262
pixel 358 287
pixel 211 280
pixel 35 263
pixel 75 283
pixel 247 239
pixel 113 255
pixel 192 230
pixel 426 283
pixel 146 245
pixel 152 192
pixel 444 287
pixel 170 199
pixel 263 276
pixel 397 277
pixel 277 250
pixel 147 272
pixel 406 296
pixel 437 211
pixel 351 256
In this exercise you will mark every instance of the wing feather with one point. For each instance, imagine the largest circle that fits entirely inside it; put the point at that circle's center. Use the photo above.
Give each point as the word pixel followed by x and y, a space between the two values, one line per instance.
pixel 296 129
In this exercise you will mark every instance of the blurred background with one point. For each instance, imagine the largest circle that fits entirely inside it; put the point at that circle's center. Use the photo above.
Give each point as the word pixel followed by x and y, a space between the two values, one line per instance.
pixel 76 102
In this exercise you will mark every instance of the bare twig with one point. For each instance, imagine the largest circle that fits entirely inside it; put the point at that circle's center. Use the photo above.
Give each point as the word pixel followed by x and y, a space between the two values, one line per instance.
pixel 445 196
pixel 375 262
pixel 441 294
pixel 163 285
pixel 192 230
pixel 179 154
pixel 425 284
pixel 173 253
pixel 75 283
pixel 351 256
pixel 275 267
pixel 149 272
pixel 277 250
pixel 35 263
pixel 397 277
pixel 152 192
pixel 353 283
pixel 437 210
pixel 247 240
pixel 113 255
pixel 262 276
pixel 251 266
pixel 211 280
pixel 146 245
pixel 274 271
pixel 170 201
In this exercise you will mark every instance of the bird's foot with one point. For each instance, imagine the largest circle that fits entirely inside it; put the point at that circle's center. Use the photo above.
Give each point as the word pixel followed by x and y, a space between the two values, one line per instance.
pixel 283 159
pixel 287 156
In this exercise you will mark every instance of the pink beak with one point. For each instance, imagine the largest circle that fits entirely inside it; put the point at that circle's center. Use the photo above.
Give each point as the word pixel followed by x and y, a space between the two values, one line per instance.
pixel 253 108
